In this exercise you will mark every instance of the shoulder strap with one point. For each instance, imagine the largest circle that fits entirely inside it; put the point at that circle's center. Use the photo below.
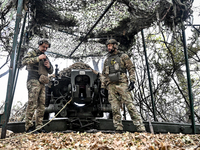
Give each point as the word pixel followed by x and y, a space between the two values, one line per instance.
pixel 119 54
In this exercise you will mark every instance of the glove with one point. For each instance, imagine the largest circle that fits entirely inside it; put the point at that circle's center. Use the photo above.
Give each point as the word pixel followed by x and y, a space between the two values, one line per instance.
pixel 131 86
pixel 102 92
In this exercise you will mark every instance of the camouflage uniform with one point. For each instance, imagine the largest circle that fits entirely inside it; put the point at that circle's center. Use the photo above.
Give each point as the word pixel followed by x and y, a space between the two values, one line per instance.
pixel 36 89
pixel 118 91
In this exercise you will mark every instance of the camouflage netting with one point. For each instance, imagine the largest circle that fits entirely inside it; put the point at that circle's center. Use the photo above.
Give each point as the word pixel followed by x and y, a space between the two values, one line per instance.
pixel 142 14
pixel 66 22
pixel 79 65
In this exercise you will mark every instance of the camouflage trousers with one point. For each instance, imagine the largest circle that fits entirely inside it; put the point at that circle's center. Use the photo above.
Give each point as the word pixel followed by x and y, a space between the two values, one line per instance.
pixel 36 102
pixel 119 95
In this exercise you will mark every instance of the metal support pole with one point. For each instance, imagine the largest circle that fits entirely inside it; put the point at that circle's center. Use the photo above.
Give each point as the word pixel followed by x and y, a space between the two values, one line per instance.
pixel 189 81
pixel 18 55
pixel 150 86
pixel 107 8
pixel 12 71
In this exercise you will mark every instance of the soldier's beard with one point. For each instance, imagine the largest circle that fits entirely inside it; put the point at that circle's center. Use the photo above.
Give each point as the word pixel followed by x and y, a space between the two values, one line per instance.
pixel 42 51
pixel 112 50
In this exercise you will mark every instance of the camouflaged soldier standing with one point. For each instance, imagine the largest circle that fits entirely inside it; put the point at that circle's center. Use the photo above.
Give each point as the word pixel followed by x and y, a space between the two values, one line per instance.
pixel 116 82
pixel 38 66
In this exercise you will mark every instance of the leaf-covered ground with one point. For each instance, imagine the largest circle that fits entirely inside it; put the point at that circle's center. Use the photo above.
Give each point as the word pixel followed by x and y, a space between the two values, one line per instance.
pixel 102 141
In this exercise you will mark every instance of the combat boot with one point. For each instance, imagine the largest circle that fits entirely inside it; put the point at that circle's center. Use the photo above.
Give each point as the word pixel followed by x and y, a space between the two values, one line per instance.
pixel 31 129
pixel 141 128
pixel 119 129
pixel 42 130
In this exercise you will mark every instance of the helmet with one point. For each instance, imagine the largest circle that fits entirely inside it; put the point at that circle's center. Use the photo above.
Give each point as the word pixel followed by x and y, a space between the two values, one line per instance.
pixel 111 41
pixel 115 44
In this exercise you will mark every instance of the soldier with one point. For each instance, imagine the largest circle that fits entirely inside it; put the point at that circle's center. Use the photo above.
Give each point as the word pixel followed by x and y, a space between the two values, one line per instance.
pixel 116 82
pixel 38 66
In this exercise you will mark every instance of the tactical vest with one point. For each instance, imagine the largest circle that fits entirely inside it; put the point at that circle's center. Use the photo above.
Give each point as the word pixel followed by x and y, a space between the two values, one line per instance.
pixel 38 67
pixel 114 64
pixel 115 68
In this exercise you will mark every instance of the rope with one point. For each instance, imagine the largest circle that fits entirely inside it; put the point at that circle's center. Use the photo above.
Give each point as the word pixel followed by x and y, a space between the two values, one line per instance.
pixel 41 126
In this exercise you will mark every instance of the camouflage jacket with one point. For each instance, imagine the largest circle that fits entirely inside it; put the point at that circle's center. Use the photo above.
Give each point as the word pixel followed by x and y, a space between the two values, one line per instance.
pixel 31 60
pixel 125 63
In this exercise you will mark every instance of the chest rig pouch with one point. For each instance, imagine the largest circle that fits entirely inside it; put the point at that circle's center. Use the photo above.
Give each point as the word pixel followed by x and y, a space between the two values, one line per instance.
pixel 115 69
pixel 42 71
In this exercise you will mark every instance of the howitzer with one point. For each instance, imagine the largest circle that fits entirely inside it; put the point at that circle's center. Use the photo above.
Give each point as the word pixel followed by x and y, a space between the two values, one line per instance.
pixel 83 87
